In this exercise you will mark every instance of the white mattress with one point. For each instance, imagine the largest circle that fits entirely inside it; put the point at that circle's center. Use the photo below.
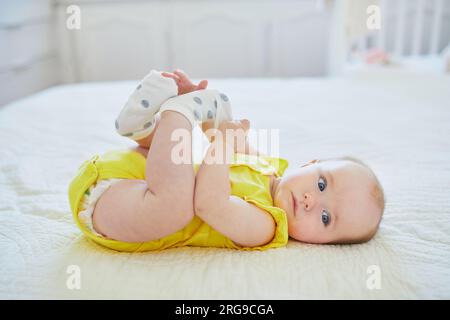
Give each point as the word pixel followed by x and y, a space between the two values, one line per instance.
pixel 399 125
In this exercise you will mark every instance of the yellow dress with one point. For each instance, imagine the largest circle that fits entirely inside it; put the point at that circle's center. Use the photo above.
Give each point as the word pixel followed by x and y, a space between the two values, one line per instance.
pixel 249 180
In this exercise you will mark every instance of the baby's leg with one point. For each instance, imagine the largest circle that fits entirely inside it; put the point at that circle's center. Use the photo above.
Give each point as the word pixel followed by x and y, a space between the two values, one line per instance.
pixel 206 107
pixel 137 118
pixel 145 210
pixel 201 106
pixel 147 141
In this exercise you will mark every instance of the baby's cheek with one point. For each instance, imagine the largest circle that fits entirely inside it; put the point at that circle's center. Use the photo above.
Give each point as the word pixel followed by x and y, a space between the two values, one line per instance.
pixel 303 230
pixel 312 230
pixel 307 232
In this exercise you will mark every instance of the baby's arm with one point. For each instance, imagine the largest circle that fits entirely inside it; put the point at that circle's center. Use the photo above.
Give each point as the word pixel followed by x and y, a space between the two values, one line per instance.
pixel 242 222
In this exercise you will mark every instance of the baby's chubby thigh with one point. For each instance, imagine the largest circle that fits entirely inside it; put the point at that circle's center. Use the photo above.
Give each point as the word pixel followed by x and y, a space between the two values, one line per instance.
pixel 129 212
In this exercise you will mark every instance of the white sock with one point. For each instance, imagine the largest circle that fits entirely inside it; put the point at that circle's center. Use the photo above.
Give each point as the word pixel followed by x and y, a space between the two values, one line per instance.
pixel 200 106
pixel 137 118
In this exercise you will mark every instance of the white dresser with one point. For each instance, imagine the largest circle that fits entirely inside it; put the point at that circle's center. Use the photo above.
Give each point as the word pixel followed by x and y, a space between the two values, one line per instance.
pixel 124 39
pixel 121 39
pixel 28 51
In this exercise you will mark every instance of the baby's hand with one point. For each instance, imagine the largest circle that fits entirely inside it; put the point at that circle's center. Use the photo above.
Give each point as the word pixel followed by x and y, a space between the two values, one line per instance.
pixel 183 82
pixel 234 125
pixel 234 134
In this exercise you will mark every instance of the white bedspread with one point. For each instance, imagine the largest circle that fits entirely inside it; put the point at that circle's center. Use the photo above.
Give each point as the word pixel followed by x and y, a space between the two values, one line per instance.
pixel 399 125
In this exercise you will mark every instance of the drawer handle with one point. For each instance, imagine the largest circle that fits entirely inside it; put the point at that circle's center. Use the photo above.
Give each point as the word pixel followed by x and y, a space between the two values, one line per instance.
pixel 19 66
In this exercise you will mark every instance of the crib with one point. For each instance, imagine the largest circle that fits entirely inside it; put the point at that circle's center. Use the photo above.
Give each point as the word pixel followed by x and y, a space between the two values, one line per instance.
pixel 413 33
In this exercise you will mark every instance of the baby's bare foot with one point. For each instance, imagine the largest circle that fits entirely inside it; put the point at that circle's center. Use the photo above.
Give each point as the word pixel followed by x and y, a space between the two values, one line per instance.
pixel 183 82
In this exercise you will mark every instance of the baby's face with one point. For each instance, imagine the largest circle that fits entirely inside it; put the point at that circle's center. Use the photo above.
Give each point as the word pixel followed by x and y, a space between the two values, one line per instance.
pixel 328 201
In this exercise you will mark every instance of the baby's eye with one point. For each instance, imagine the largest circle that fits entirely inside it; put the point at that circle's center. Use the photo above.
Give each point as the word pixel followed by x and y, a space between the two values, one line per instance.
pixel 325 218
pixel 322 184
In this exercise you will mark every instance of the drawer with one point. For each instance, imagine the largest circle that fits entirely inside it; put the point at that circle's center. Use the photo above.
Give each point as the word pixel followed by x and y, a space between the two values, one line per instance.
pixel 18 12
pixel 24 43
pixel 15 84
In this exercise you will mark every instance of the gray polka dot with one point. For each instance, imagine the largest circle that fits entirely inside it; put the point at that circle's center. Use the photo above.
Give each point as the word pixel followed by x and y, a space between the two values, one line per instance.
pixel 145 103
pixel 210 114
pixel 139 86
pixel 117 125
pixel 224 97
pixel 215 103
pixel 198 100
pixel 148 124
pixel 128 134
pixel 197 115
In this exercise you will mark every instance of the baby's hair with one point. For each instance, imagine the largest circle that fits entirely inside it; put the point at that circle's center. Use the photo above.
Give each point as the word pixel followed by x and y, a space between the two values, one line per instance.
pixel 377 194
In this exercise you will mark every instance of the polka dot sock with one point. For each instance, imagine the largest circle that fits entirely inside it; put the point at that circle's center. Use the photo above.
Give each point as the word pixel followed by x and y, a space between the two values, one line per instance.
pixel 200 106
pixel 137 118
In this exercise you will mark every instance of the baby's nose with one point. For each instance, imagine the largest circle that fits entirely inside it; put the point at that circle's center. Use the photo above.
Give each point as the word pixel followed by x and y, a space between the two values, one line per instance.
pixel 308 201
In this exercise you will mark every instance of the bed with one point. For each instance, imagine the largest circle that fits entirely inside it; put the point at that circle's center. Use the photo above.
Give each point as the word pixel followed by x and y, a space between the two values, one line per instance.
pixel 399 123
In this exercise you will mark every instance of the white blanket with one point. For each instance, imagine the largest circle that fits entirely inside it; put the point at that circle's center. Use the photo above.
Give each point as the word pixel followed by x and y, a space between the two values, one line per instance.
pixel 399 125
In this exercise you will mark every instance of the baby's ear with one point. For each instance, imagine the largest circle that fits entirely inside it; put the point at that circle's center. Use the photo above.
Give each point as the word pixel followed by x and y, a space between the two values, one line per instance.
pixel 310 162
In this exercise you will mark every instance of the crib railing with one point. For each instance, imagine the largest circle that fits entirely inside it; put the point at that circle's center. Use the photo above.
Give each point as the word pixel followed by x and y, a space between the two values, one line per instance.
pixel 408 28
pixel 415 25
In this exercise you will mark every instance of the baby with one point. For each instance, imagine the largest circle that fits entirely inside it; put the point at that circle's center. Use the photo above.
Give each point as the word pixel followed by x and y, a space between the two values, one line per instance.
pixel 146 199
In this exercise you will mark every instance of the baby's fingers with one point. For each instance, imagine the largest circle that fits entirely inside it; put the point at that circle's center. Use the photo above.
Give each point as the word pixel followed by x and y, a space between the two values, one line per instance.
pixel 245 124
pixel 202 85
pixel 171 75
pixel 183 76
